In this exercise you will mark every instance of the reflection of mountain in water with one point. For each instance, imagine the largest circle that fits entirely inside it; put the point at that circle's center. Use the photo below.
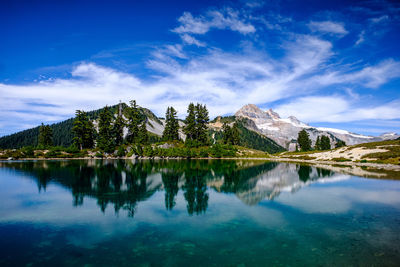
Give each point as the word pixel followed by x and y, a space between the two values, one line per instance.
pixel 123 184
pixel 284 177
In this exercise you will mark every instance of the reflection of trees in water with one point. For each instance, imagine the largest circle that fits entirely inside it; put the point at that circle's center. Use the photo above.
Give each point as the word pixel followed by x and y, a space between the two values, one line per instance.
pixel 324 172
pixel 195 191
pixel 236 180
pixel 171 188
pixel 123 184
pixel 304 172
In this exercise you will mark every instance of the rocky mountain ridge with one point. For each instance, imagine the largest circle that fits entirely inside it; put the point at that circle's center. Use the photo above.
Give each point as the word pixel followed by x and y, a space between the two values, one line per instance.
pixel 284 131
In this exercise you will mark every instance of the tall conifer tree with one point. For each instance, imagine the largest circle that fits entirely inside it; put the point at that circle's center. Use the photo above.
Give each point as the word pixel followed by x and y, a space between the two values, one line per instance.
pixel 304 140
pixel 201 124
pixel 143 136
pixel 318 144
pixel 226 133
pixel 105 139
pixel 83 131
pixel 171 130
pixel 45 138
pixel 118 130
pixel 235 134
pixel 134 119
pixel 325 143
pixel 190 123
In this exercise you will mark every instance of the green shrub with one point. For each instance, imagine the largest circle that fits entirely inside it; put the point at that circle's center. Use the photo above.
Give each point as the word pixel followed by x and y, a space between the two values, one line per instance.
pixel 121 151
pixel 72 149
pixel 203 152
pixel 52 154
pixel 341 159
pixel 28 151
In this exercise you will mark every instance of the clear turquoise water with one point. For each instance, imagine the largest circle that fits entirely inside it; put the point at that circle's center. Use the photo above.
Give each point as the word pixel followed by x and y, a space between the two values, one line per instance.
pixel 194 213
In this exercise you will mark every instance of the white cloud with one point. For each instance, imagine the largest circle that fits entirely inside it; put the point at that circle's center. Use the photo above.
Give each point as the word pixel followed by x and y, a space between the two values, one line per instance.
pixel 361 38
pixel 191 40
pixel 224 19
pixel 328 27
pixel 313 108
pixel 380 19
pixel 369 76
pixel 337 109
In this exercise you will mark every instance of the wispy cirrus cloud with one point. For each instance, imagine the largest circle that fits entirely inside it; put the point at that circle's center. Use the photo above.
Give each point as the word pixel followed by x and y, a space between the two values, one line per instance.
pixel 226 18
pixel 330 27
pixel 188 39
pixel 336 108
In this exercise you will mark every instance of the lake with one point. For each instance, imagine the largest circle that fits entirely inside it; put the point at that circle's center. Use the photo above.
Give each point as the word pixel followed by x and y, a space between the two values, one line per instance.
pixel 194 213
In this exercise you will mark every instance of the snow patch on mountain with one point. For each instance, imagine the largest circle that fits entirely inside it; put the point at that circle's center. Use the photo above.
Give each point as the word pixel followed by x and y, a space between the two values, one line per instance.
pixel 284 131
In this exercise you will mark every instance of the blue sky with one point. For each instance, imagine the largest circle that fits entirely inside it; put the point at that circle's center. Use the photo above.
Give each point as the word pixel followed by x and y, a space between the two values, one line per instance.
pixel 333 64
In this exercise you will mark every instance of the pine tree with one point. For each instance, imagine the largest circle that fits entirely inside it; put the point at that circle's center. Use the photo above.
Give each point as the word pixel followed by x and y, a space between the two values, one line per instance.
pixel 235 134
pixel 134 120
pixel 118 130
pixel 45 138
pixel 340 143
pixel 201 124
pixel 304 140
pixel 190 123
pixel 171 130
pixel 226 133
pixel 230 135
pixel 83 131
pixel 318 144
pixel 325 143
pixel 105 139
pixel 143 136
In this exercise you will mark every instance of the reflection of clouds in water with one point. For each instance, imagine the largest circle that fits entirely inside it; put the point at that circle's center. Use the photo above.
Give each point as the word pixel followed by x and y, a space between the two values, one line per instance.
pixel 91 226
pixel 310 201
pixel 338 199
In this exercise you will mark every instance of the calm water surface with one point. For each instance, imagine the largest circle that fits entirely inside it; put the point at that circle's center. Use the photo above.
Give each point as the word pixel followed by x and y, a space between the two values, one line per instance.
pixel 194 213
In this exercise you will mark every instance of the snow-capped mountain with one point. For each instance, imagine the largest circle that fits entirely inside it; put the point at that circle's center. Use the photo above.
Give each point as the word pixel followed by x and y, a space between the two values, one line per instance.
pixel 284 131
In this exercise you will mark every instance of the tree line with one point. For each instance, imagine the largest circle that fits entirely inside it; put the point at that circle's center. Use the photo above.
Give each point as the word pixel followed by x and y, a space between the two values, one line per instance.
pixel 110 133
pixel 322 143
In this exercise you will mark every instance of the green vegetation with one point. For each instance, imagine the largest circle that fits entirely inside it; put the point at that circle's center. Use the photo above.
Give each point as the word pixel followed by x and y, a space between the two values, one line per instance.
pixel 340 143
pixel 230 134
pixel 190 124
pixel 251 139
pixel 143 136
pixel 323 143
pixel 118 129
pixel 341 159
pixel 105 139
pixel 83 131
pixel 134 119
pixel 391 156
pixel 304 141
pixel 45 138
pixel 171 130
pixel 196 129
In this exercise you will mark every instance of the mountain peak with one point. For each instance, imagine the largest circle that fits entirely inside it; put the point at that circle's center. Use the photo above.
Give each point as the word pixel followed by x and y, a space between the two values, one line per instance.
pixel 250 110
pixel 273 114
